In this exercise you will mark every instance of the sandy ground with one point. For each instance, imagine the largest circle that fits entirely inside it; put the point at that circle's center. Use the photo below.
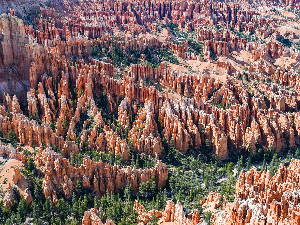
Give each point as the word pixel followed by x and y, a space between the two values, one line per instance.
pixel 197 67
pixel 285 62
pixel 8 175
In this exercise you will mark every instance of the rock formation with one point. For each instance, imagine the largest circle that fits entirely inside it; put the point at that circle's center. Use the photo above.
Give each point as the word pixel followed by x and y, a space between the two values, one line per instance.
pixel 16 51
pixel 173 213
pixel 262 198
pixel 122 78
pixel 12 179
pixel 99 177
pixel 259 198
pixel 91 218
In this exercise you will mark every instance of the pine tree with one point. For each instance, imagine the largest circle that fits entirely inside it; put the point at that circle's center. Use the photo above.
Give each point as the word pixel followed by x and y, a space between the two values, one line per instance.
pixel 274 164
pixel 297 153
pixel 240 164
pixel 264 164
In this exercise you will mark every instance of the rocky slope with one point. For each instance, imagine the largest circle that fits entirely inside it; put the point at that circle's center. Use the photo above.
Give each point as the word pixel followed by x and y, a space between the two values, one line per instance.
pixel 259 199
pixel 129 79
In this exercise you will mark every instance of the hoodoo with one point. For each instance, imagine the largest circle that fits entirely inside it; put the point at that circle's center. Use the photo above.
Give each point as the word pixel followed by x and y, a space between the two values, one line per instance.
pixel 149 112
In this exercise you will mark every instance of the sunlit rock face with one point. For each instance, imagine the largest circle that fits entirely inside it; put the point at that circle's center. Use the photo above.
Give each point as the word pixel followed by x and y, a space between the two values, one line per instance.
pixel 12 176
pixel 227 88
pixel 262 198
pixel 259 199
pixel 172 214
pixel 143 78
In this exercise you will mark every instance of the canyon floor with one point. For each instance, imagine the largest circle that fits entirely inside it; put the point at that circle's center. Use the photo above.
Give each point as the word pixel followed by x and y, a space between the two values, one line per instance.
pixel 150 112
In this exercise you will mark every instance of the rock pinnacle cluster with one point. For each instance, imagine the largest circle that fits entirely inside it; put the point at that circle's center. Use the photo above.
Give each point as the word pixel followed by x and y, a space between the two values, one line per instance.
pixel 127 78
